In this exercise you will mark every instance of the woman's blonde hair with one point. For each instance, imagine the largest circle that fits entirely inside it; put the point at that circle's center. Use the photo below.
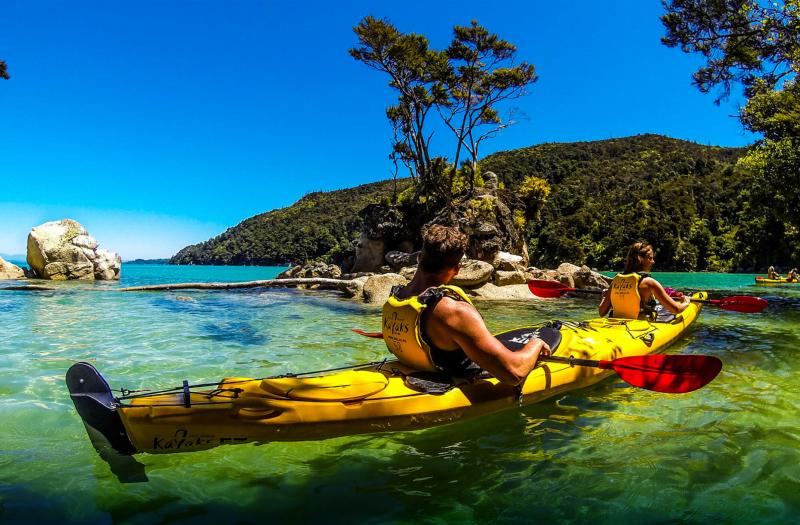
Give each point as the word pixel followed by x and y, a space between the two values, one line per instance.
pixel 637 250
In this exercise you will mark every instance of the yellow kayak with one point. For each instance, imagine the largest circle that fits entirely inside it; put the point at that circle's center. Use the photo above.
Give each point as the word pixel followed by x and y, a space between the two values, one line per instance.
pixel 376 397
pixel 771 282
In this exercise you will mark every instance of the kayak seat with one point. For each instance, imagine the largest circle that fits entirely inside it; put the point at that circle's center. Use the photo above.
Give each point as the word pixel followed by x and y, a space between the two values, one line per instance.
pixel 348 386
pixel 517 338
pixel 663 315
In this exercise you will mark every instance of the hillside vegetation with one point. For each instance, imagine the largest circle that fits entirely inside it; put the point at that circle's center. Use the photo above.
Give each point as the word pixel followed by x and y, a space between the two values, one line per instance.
pixel 689 200
pixel 321 225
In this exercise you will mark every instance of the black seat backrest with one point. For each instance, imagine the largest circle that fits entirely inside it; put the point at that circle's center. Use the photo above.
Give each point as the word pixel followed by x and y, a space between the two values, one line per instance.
pixel 516 339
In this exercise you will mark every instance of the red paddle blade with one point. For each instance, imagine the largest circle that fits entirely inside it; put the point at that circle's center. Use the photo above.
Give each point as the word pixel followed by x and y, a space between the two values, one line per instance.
pixel 374 335
pixel 742 303
pixel 674 374
pixel 541 288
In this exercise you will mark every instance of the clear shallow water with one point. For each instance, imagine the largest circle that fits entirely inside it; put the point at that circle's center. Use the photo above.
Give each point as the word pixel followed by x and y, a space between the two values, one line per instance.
pixel 728 453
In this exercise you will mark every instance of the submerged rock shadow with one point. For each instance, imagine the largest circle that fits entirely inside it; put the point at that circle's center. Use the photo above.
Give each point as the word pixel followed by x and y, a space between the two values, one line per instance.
pixel 238 332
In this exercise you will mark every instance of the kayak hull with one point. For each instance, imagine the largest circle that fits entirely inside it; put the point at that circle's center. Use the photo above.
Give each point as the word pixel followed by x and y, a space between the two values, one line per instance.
pixel 773 282
pixel 379 397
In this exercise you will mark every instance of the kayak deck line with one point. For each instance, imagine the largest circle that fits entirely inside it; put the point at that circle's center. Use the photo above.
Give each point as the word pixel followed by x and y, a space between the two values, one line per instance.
pixel 373 397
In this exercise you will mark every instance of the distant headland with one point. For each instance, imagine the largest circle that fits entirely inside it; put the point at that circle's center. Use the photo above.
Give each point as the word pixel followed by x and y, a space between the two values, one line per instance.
pixel 147 261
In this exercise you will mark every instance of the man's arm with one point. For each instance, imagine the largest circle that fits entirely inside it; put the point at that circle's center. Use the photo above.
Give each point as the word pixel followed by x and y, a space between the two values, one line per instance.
pixel 460 323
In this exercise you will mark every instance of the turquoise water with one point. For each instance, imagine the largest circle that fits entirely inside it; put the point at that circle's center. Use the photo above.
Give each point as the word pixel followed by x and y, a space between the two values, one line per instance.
pixel 728 453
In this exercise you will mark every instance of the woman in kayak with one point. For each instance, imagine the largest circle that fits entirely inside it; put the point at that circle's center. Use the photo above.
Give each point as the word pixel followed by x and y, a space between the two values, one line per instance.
pixel 431 325
pixel 634 293
pixel 793 276
pixel 772 274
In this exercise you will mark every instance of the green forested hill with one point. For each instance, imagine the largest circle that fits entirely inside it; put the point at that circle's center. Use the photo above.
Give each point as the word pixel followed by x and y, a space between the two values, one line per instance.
pixel 318 225
pixel 686 199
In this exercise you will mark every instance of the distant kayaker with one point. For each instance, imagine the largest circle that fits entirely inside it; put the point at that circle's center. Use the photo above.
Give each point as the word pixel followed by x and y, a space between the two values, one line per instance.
pixel 772 274
pixel 634 293
pixel 793 276
pixel 431 325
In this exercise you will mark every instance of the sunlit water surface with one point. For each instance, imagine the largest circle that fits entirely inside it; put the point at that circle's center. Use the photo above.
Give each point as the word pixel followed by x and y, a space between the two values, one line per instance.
pixel 728 453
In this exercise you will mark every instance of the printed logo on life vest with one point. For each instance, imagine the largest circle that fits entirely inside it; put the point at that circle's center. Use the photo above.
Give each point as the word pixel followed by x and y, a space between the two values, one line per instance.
pixel 182 440
pixel 395 326
pixel 624 285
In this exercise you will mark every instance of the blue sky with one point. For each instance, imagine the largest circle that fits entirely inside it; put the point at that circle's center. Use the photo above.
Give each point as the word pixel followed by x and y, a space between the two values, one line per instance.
pixel 159 124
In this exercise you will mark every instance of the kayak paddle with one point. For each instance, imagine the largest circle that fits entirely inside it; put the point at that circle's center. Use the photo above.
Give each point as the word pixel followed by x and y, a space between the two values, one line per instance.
pixel 737 303
pixel 374 335
pixel 671 374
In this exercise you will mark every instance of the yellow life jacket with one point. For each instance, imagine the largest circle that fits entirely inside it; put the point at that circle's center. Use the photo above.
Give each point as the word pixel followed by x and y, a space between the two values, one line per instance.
pixel 626 301
pixel 402 325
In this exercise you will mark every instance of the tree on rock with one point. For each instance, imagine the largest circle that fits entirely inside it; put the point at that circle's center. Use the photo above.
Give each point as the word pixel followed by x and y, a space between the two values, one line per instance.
pixel 477 81
pixel 416 73
pixel 464 83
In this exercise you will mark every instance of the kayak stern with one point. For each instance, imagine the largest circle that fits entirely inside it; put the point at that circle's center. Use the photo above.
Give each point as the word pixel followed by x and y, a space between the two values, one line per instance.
pixel 98 408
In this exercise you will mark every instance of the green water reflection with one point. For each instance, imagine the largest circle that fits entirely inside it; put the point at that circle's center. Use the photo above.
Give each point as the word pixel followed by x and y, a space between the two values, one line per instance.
pixel 728 453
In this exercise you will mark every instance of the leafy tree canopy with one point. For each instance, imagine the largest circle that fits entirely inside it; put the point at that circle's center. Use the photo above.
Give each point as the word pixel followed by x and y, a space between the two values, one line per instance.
pixel 756 43
pixel 748 41
pixel 464 83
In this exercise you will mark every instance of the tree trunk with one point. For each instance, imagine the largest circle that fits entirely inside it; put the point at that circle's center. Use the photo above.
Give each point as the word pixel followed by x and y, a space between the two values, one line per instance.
pixel 336 284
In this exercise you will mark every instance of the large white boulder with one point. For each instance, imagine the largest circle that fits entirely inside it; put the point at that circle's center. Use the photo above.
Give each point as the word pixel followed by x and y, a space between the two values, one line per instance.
pixel 473 273
pixel 10 271
pixel 505 261
pixel 512 292
pixel 64 250
pixel 377 287
pixel 505 278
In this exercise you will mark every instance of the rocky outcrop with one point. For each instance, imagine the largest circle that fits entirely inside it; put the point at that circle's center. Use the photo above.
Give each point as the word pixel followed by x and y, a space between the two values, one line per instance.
pixel 377 287
pixel 64 250
pixel 311 271
pixel 504 278
pixel 10 271
pixel 586 278
pixel 572 276
pixel 473 273
pixel 508 262
pixel 480 279
pixel 408 272
pixel 513 292
pixel 398 259
pixel 380 225
pixel 369 254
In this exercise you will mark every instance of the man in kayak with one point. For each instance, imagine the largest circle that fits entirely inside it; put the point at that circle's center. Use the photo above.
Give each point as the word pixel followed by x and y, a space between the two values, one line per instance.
pixel 431 325
pixel 793 276
pixel 633 293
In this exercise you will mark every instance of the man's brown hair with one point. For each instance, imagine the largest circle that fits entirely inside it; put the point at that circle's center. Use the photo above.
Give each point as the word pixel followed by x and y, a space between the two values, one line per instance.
pixel 442 248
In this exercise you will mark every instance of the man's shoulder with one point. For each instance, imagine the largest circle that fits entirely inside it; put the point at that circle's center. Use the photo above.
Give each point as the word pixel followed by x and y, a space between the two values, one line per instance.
pixel 451 310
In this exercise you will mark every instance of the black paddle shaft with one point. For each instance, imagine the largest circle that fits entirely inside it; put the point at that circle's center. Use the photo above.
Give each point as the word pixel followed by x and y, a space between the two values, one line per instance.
pixel 572 361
